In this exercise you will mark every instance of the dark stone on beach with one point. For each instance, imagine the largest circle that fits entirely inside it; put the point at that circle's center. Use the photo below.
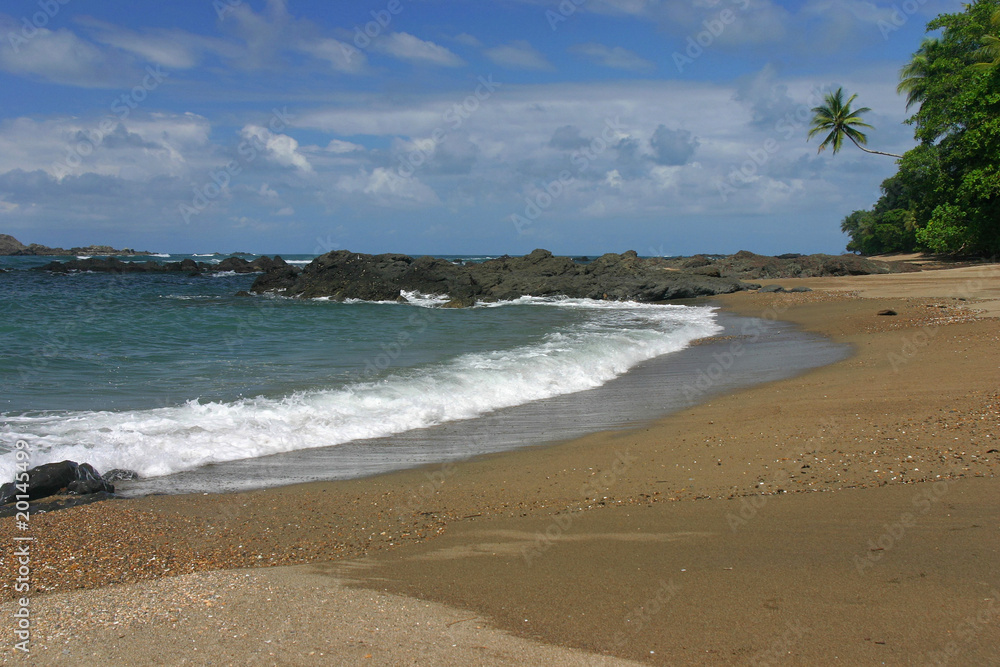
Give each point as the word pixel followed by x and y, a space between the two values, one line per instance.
pixel 707 270
pixel 800 289
pixel 7 493
pixel 119 475
pixel 887 311
pixel 87 481
pixel 768 289
pixel 50 479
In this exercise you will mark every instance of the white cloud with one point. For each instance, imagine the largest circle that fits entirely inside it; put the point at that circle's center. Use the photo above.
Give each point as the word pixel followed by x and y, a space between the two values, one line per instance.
pixel 61 57
pixel 279 148
pixel 468 40
pixel 405 46
pixel 338 147
pixel 341 57
pixel 616 57
pixel 518 54
pixel 384 187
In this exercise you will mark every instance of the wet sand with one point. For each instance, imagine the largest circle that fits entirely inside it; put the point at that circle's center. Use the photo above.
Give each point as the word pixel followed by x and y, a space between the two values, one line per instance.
pixel 846 515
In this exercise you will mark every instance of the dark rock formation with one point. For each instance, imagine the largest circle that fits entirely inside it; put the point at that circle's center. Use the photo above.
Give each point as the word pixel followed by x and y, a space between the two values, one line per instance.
pixel 189 266
pixel 346 275
pixel 52 478
pixel 746 265
pixel 11 246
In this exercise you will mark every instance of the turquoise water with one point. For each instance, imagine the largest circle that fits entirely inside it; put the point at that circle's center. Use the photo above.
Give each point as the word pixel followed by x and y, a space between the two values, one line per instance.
pixel 168 372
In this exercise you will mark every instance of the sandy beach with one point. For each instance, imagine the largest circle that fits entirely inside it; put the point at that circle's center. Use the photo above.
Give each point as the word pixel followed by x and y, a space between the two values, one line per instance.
pixel 848 515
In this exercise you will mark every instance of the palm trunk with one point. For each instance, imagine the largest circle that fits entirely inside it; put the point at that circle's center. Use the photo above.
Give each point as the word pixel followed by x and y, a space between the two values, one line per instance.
pixel 873 152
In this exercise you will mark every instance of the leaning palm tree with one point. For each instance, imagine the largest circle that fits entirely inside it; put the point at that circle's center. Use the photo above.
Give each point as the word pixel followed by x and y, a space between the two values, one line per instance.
pixel 837 117
pixel 914 75
pixel 989 55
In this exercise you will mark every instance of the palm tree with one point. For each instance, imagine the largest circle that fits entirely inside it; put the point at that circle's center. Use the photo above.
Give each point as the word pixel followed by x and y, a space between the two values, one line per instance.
pixel 837 117
pixel 989 54
pixel 913 76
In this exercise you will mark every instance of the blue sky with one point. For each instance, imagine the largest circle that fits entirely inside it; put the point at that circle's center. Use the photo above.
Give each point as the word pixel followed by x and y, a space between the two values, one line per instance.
pixel 444 126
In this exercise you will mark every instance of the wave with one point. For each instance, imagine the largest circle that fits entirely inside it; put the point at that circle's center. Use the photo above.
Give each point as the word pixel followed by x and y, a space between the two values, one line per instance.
pixel 166 440
pixel 160 254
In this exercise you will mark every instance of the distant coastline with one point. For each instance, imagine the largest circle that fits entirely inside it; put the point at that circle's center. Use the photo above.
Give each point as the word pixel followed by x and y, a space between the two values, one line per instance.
pixel 10 246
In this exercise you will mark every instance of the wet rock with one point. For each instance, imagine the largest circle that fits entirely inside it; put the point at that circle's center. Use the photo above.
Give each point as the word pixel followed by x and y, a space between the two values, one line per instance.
pixel 887 311
pixel 52 478
pixel 771 289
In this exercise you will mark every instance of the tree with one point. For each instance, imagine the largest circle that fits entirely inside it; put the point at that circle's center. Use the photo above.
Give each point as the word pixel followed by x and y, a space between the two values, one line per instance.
pixel 914 75
pixel 989 54
pixel 837 118
pixel 946 195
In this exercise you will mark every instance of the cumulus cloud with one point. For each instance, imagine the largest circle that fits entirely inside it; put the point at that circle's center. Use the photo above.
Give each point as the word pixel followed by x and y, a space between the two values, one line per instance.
pixel 672 147
pixel 568 138
pixel 279 148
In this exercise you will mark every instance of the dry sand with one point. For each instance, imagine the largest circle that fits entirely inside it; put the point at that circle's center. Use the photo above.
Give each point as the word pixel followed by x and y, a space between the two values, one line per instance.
pixel 847 515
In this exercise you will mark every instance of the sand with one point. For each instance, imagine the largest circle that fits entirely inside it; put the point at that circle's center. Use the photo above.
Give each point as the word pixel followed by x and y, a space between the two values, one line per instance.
pixel 847 515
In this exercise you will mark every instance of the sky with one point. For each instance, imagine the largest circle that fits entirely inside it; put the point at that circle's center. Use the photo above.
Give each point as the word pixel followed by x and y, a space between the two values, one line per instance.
pixel 445 126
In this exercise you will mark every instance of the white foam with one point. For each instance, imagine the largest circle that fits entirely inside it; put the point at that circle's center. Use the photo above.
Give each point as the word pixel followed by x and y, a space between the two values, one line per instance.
pixel 160 254
pixel 167 440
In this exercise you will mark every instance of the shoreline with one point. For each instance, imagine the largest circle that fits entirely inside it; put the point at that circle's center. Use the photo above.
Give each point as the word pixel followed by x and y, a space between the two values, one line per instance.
pixel 905 410
pixel 646 393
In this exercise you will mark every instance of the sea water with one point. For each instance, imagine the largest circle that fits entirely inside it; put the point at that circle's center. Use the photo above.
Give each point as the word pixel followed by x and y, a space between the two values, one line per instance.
pixel 170 373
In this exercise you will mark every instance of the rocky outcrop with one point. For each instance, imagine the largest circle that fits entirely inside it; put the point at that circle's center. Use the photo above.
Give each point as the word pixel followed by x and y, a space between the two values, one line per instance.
pixel 746 265
pixel 346 275
pixel 54 478
pixel 11 246
pixel 113 265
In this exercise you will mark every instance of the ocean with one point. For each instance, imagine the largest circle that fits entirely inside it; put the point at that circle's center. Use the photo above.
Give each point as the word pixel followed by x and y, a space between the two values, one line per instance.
pixel 196 389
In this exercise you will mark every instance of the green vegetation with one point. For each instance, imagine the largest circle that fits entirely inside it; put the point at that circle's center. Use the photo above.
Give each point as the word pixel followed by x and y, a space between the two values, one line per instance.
pixel 945 198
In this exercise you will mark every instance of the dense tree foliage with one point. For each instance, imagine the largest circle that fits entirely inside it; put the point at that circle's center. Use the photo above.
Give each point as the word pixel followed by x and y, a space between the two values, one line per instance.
pixel 946 195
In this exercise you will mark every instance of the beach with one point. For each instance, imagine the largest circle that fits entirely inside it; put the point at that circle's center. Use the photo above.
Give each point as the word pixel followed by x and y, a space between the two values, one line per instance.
pixel 848 514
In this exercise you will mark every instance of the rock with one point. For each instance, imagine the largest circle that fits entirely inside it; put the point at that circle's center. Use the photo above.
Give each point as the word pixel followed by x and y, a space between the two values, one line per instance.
pixel 243 292
pixel 51 478
pixel 800 289
pixel 87 481
pixel 10 246
pixel 343 274
pixel 119 475
pixel 188 266
pixel 887 311
pixel 768 289
pixel 8 492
